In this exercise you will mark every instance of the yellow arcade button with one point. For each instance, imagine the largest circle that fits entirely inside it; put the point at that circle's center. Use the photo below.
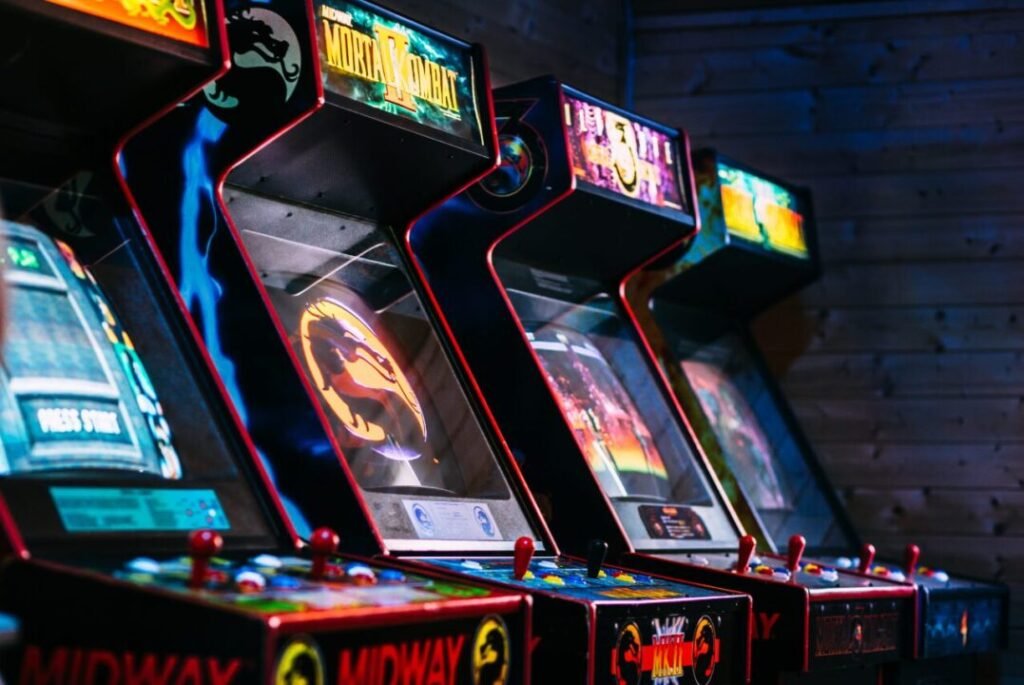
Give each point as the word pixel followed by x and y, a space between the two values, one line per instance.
pixel 528 575
pixel 554 580
pixel 625 578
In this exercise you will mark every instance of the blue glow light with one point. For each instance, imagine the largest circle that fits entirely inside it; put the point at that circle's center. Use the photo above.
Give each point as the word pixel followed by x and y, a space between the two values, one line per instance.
pixel 199 289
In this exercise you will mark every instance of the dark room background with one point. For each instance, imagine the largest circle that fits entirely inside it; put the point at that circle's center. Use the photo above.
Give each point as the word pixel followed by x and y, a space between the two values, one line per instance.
pixel 906 119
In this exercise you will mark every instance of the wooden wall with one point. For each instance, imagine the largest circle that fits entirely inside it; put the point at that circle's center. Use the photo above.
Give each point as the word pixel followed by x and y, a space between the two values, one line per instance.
pixel 579 40
pixel 906 362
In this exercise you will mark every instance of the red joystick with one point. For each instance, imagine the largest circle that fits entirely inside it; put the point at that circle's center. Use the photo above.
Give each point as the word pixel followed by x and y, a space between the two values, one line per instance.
pixel 203 545
pixel 797 545
pixel 748 543
pixel 867 556
pixel 913 553
pixel 323 543
pixel 521 557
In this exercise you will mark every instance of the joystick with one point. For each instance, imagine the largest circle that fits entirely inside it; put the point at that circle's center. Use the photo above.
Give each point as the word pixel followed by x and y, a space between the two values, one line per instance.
pixel 797 545
pixel 595 557
pixel 748 543
pixel 867 556
pixel 521 557
pixel 912 554
pixel 203 545
pixel 323 543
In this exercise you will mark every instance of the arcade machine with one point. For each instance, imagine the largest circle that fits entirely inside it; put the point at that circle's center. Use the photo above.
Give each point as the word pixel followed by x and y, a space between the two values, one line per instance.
pixel 297 273
pixel 695 312
pixel 585 194
pixel 141 541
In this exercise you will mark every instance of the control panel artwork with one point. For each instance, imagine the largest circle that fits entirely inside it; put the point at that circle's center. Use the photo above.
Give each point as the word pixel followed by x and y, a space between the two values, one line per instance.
pixel 590 581
pixel 270 584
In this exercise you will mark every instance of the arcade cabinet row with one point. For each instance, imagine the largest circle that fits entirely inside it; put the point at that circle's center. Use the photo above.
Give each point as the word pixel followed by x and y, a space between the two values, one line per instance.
pixel 286 278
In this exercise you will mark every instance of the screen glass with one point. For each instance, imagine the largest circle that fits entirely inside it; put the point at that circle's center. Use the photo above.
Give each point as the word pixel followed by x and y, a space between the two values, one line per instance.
pixel 394 404
pixel 743 425
pixel 621 420
pixel 106 425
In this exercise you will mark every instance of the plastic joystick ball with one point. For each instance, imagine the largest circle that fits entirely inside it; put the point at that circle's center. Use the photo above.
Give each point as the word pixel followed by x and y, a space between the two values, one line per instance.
pixel 748 543
pixel 323 543
pixel 867 557
pixel 521 556
pixel 203 545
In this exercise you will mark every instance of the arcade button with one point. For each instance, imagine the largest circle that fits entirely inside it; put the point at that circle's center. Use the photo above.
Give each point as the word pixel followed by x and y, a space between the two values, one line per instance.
pixel 701 561
pixel 283 582
pixel 249 581
pixel 547 563
pixel 390 575
pixel 623 577
pixel 143 565
pixel 934 574
pixel 361 574
pixel 846 562
pixel 781 573
pixel 829 574
pixel 552 579
pixel 472 565
pixel 266 561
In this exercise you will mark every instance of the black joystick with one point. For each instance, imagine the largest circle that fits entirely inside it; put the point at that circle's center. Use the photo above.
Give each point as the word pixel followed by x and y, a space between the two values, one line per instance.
pixel 596 554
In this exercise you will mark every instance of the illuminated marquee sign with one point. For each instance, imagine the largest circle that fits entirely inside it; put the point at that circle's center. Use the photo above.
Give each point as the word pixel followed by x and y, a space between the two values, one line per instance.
pixel 762 212
pixel 180 20
pixel 382 63
pixel 615 153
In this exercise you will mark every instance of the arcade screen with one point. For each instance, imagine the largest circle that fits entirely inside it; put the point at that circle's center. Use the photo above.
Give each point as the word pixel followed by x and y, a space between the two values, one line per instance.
pixel 104 427
pixel 395 406
pixel 622 423
pixel 756 442
pixel 761 211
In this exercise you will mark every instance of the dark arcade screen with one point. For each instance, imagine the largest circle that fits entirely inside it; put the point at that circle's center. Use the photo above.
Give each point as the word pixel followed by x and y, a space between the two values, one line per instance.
pixel 756 441
pixel 86 424
pixel 396 409
pixel 622 423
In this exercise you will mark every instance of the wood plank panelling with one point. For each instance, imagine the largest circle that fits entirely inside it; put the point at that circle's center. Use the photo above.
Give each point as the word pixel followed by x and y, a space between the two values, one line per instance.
pixel 575 39
pixel 905 363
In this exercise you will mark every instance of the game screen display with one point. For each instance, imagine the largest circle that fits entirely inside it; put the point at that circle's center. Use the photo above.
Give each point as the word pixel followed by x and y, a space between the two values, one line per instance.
pixel 763 212
pixel 627 157
pixel 394 404
pixel 622 423
pixel 102 432
pixel 738 429
pixel 181 20
pixel 755 440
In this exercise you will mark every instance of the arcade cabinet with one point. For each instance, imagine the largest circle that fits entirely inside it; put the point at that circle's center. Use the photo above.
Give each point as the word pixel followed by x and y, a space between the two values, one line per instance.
pixel 141 541
pixel 586 193
pixel 757 246
pixel 319 324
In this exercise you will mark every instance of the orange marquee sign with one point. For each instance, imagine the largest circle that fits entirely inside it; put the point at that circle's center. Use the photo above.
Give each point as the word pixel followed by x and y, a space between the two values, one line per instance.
pixel 180 20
